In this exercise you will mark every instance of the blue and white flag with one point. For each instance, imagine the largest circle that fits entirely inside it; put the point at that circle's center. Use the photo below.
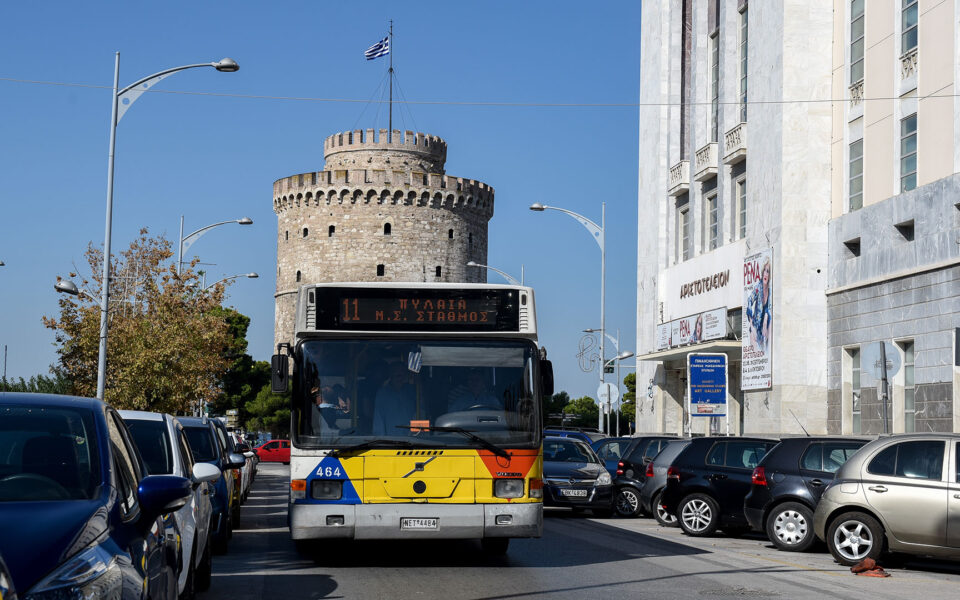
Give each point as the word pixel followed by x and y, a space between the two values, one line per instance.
pixel 414 361
pixel 381 48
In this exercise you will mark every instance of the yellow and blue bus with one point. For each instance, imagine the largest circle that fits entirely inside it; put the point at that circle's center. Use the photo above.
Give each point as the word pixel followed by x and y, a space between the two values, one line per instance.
pixel 415 412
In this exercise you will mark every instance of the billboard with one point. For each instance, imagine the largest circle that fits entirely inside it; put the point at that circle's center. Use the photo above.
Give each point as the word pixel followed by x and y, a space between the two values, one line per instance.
pixel 709 325
pixel 756 364
pixel 707 384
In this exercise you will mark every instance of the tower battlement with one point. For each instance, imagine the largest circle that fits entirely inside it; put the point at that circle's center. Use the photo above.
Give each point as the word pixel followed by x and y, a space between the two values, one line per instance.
pixel 371 148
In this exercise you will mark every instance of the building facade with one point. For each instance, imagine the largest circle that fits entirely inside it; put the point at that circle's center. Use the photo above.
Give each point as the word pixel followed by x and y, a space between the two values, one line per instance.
pixel 894 232
pixel 736 172
pixel 383 209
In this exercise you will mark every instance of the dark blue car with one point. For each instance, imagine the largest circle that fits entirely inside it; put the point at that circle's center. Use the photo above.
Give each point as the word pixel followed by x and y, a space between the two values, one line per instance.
pixel 78 517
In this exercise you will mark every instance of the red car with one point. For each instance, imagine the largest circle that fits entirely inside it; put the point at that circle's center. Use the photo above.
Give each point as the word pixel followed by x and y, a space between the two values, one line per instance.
pixel 274 451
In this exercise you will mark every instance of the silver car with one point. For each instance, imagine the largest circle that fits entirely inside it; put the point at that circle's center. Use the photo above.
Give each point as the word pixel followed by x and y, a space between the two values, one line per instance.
pixel 900 494
pixel 164 449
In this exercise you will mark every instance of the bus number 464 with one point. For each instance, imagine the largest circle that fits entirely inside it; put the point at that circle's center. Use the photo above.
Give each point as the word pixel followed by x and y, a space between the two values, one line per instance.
pixel 328 472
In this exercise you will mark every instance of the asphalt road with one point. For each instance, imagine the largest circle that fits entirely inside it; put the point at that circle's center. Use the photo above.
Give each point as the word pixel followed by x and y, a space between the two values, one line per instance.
pixel 577 557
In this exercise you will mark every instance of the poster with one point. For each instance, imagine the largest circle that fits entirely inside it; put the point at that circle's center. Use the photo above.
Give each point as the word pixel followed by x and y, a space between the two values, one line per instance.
pixel 707 381
pixel 757 334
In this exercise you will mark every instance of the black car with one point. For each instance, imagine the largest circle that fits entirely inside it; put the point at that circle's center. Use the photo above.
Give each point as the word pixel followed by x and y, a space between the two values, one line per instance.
pixel 708 480
pixel 573 476
pixel 656 479
pixel 629 475
pixel 788 483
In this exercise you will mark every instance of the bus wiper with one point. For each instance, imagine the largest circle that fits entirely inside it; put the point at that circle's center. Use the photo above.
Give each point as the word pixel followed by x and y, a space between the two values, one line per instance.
pixel 372 444
pixel 487 445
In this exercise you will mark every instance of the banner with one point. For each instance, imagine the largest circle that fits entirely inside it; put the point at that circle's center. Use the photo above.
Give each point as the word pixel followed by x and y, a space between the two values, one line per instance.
pixel 756 365
pixel 707 384
pixel 709 325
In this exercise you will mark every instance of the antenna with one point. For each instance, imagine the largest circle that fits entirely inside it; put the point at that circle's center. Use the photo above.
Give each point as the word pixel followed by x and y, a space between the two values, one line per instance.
pixel 798 422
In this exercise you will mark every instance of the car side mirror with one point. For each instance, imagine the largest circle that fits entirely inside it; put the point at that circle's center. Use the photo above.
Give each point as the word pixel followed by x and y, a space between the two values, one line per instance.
pixel 279 369
pixel 546 378
pixel 205 472
pixel 161 494
pixel 235 461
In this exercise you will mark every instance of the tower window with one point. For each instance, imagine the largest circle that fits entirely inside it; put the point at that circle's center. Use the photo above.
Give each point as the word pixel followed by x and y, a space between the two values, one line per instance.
pixel 438 271
pixel 306 232
pixel 298 276
pixel 380 270
pixel 387 229
pixel 470 239
pixel 449 234
pixel 286 236
pixel 331 230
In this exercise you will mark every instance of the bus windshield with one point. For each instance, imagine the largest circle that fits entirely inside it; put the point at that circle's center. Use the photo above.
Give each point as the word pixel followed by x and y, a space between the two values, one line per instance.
pixel 429 393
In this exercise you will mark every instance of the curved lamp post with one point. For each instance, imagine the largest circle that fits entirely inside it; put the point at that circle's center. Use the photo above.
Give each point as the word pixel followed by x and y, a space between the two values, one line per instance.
pixel 598 234
pixel 65 286
pixel 120 102
pixel 506 276
pixel 187 240
pixel 225 279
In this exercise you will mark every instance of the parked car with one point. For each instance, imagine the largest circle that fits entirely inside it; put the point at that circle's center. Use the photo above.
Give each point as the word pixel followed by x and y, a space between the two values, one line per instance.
pixel 165 450
pixel 78 516
pixel 274 451
pixel 206 447
pixel 250 463
pixel 655 475
pixel 611 450
pixel 226 446
pixel 787 484
pixel 708 480
pixel 573 476
pixel 899 493
pixel 7 591
pixel 587 435
pixel 629 473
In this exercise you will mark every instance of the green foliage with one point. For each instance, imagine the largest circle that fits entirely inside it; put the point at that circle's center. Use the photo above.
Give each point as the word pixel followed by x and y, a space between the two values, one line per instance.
pixel 552 406
pixel 58 383
pixel 269 412
pixel 585 411
pixel 245 377
pixel 630 381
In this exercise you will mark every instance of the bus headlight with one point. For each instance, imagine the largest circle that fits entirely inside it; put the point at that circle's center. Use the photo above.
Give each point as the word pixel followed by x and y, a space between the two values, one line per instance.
pixel 508 488
pixel 326 489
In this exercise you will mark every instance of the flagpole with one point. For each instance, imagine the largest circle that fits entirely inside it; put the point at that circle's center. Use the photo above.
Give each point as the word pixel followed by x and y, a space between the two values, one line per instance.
pixel 390 122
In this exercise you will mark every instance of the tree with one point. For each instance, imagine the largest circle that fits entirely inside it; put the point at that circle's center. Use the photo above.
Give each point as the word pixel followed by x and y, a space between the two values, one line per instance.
pixel 270 412
pixel 628 409
pixel 166 338
pixel 554 405
pixel 59 383
pixel 244 377
pixel 585 411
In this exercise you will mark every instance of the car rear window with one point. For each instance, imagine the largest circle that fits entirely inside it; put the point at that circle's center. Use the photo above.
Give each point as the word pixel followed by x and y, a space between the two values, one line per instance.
pixel 151 439
pixel 745 455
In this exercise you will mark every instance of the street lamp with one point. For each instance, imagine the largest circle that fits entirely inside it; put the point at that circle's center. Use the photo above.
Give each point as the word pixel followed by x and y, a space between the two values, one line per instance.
pixel 187 240
pixel 65 286
pixel 225 279
pixel 509 278
pixel 597 231
pixel 121 101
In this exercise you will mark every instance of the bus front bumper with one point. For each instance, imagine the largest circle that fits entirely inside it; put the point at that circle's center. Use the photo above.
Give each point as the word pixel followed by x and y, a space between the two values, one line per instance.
pixel 420 521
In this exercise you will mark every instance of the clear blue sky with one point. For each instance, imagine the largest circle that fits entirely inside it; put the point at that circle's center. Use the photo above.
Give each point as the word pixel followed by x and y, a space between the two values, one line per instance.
pixel 215 157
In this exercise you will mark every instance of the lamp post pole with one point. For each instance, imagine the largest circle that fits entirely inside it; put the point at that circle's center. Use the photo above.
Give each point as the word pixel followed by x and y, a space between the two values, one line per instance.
pixel 507 276
pixel 599 235
pixel 128 95
pixel 187 240
pixel 225 279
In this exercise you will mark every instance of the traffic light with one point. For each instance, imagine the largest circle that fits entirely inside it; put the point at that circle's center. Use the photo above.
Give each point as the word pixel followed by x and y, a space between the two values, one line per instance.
pixel 608 369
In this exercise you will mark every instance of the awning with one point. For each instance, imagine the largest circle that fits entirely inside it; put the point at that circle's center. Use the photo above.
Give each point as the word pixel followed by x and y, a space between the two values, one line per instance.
pixel 729 347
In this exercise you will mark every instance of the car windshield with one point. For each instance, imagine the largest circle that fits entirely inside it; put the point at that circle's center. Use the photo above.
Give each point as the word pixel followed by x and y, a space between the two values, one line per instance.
pixel 47 454
pixel 427 392
pixel 567 450
pixel 151 440
pixel 201 443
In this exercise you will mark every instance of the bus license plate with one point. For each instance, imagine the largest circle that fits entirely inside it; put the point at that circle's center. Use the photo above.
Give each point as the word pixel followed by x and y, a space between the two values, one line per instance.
pixel 575 493
pixel 409 523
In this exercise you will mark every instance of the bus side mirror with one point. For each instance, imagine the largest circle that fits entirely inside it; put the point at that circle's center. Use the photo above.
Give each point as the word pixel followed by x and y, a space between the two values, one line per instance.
pixel 546 378
pixel 278 370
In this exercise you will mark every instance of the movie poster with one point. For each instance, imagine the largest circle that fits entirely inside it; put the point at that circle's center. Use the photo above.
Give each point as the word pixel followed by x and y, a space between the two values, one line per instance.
pixel 756 365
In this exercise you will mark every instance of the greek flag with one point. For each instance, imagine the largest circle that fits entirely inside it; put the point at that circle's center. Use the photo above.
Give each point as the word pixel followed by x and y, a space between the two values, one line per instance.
pixel 381 48
pixel 415 361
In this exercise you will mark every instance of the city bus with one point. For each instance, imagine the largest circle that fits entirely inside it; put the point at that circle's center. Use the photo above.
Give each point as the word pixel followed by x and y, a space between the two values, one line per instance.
pixel 415 412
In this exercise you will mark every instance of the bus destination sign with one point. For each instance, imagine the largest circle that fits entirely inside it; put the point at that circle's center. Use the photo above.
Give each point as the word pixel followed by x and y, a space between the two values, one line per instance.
pixel 418 310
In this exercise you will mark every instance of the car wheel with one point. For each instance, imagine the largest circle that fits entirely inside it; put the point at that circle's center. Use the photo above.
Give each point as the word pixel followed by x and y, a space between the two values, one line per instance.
pixel 790 527
pixel 189 588
pixel 699 515
pixel 495 546
pixel 663 517
pixel 853 537
pixel 627 502
pixel 204 569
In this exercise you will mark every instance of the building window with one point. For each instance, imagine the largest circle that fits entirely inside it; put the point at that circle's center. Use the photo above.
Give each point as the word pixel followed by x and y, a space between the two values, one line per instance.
pixel 387 229
pixel 856 40
pixel 908 26
pixel 306 232
pixel 856 175
pixel 741 195
pixel 449 234
pixel 470 240
pixel 298 276
pixel 711 223
pixel 855 387
pixel 909 403
pixel 438 271
pixel 286 236
pixel 380 270
pixel 743 66
pixel 715 87
pixel 331 230
pixel 908 153
pixel 683 231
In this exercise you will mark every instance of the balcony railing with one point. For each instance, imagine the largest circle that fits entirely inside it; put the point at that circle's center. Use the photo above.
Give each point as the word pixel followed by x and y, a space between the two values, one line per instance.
pixel 705 162
pixel 908 64
pixel 679 178
pixel 735 144
pixel 856 93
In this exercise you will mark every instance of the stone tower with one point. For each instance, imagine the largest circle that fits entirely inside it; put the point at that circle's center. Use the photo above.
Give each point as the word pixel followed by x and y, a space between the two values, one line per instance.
pixel 380 211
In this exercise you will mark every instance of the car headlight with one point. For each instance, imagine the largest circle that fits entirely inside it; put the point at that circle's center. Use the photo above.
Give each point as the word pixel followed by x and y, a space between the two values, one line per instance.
pixel 604 479
pixel 93 573
pixel 508 488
